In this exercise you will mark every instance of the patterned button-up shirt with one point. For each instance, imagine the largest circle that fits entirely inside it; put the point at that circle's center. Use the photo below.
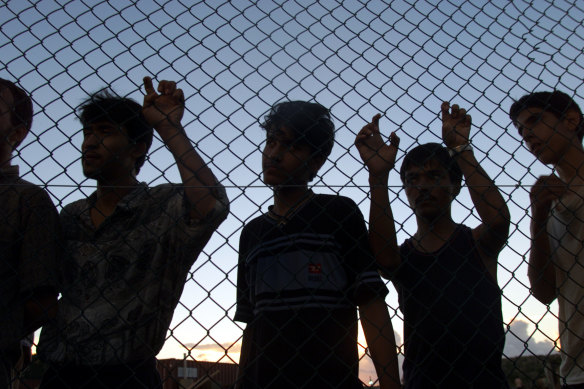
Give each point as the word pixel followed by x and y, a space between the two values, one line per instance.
pixel 123 280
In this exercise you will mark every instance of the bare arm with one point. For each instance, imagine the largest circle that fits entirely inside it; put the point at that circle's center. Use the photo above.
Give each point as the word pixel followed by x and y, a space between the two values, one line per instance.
pixel 164 112
pixel 378 332
pixel 493 231
pixel 246 343
pixel 541 271
pixel 380 159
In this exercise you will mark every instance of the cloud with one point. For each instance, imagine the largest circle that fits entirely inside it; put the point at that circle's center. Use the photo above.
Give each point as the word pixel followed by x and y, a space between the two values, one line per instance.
pixel 520 342
pixel 215 347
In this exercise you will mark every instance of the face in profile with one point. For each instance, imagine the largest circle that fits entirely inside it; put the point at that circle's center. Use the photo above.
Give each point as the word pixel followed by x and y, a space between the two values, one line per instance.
pixel 546 136
pixel 285 161
pixel 429 190
pixel 107 152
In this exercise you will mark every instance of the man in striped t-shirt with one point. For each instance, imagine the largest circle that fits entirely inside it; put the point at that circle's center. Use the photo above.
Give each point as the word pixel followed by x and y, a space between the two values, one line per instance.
pixel 304 267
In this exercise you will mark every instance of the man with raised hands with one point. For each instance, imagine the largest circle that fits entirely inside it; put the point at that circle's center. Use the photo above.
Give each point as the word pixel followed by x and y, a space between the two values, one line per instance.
pixel 128 247
pixel 446 273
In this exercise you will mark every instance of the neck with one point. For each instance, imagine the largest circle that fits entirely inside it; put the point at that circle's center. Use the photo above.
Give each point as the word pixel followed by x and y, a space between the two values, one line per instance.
pixel 571 165
pixel 435 230
pixel 5 160
pixel 286 198
pixel 109 193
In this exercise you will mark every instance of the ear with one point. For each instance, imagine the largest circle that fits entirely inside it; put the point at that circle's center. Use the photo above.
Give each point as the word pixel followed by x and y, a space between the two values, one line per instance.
pixel 16 136
pixel 316 163
pixel 139 149
pixel 572 119
pixel 456 191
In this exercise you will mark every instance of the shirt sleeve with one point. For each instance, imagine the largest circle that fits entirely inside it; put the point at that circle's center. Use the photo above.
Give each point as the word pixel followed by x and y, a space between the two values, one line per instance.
pixel 178 209
pixel 359 260
pixel 184 238
pixel 41 242
pixel 243 307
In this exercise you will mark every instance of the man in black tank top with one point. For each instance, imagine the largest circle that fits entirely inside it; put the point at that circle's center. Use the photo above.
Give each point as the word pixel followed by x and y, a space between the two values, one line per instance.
pixel 446 273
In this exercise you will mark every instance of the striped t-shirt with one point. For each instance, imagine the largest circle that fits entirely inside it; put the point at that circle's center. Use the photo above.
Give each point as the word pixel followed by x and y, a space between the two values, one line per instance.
pixel 298 285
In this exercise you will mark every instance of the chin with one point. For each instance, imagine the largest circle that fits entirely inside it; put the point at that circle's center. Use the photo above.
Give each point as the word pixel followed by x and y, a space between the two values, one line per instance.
pixel 271 180
pixel 93 172
pixel 90 173
pixel 430 214
pixel 549 160
pixel 92 176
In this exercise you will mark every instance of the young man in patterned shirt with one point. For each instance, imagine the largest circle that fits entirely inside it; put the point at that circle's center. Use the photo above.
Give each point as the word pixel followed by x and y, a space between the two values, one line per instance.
pixel 129 247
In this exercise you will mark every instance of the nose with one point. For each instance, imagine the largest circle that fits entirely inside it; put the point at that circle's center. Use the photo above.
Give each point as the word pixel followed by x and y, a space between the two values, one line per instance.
pixel 526 132
pixel 274 152
pixel 424 182
pixel 89 140
pixel 527 135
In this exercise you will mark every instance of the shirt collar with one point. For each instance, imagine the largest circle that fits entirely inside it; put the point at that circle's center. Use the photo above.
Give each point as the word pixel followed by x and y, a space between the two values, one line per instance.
pixel 10 171
pixel 131 200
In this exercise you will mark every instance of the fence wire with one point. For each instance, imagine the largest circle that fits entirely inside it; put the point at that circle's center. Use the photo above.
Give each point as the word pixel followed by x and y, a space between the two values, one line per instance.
pixel 234 60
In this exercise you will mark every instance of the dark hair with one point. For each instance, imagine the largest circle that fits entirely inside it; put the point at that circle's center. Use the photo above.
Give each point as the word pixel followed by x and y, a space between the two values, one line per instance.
pixel 106 106
pixel 556 102
pixel 21 107
pixel 423 154
pixel 310 123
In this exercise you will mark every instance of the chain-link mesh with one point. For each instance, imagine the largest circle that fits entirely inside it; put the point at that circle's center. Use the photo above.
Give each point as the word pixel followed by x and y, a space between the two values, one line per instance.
pixel 234 60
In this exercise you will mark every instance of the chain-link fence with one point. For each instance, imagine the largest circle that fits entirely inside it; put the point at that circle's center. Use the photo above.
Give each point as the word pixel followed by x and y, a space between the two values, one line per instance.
pixel 234 60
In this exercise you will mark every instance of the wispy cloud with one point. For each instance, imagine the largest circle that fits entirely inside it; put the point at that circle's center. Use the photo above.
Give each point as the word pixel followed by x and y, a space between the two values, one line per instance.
pixel 215 347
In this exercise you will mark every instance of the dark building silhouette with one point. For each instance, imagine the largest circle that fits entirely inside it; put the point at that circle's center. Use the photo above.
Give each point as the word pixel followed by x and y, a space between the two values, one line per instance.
pixel 191 374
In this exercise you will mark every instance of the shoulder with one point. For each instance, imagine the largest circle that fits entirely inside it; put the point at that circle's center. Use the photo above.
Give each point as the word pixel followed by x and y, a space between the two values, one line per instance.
pixel 464 237
pixel 253 233
pixel 30 192
pixel 334 199
pixel 156 198
pixel 335 202
pixel 406 245
pixel 25 185
pixel 568 205
pixel 255 224
pixel 340 210
pixel 159 192
pixel 74 208
pixel 464 232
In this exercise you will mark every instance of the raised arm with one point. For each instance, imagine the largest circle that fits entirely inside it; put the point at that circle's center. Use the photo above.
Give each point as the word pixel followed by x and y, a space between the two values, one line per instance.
pixel 380 159
pixel 164 111
pixel 493 232
pixel 378 332
pixel 541 271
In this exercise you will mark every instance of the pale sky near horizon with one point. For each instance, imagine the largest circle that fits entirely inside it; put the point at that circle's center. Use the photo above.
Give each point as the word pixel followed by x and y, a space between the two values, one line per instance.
pixel 234 60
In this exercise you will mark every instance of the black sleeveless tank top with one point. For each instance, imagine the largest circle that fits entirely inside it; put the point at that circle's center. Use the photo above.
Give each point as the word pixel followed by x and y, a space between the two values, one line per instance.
pixel 453 325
